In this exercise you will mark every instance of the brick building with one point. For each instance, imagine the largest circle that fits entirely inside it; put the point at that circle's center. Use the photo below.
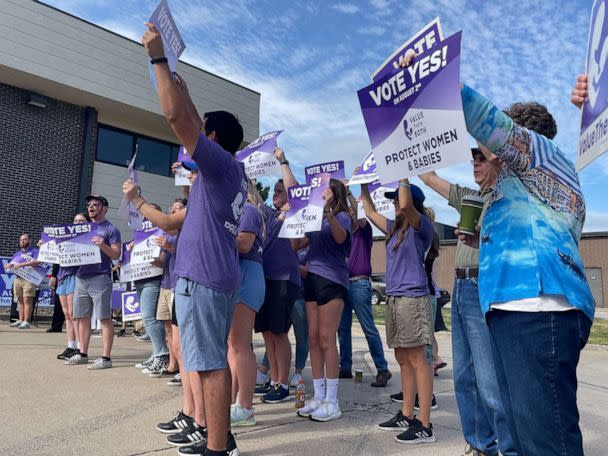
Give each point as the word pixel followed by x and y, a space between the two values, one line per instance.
pixel 593 247
pixel 75 103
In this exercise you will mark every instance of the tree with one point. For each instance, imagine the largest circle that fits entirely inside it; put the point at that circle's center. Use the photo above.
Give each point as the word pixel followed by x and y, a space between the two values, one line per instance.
pixel 262 190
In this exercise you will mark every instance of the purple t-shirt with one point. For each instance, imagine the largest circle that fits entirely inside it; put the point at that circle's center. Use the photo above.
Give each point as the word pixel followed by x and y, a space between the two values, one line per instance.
pixel 326 257
pixel 360 259
pixel 167 281
pixel 206 249
pixel 63 272
pixel 110 235
pixel 251 222
pixel 405 273
pixel 279 260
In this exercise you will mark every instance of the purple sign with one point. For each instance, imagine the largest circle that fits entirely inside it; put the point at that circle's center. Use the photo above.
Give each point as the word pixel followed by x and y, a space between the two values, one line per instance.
pixel 366 171
pixel 421 42
pixel 593 140
pixel 33 274
pixel 145 249
pixel 130 272
pixel 305 208
pixel 383 205
pixel 117 291
pixel 69 244
pixel 414 116
pixel 173 45
pixel 130 306
pixel 335 169
pixel 6 283
pixel 258 157
pixel 127 210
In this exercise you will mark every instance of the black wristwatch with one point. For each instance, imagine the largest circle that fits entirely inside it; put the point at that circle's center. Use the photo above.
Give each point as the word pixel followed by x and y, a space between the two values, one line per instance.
pixel 156 60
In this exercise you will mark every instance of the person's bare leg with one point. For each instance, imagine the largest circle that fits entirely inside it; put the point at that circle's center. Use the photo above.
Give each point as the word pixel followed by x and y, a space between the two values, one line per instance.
pixel 196 387
pixel 329 320
pixel 216 390
pixel 423 370
pixel 21 309
pixel 107 335
pixel 188 400
pixel 314 348
pixel 28 305
pixel 241 358
pixel 172 361
pixel 282 349
pixel 70 314
pixel 84 328
pixel 408 382
pixel 271 355
pixel 69 325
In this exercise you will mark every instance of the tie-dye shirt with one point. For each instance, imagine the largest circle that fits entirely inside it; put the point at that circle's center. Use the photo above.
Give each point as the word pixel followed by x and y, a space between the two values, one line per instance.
pixel 530 231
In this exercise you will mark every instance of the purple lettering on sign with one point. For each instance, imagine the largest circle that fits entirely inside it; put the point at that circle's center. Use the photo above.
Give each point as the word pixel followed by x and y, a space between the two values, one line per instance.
pixel 258 157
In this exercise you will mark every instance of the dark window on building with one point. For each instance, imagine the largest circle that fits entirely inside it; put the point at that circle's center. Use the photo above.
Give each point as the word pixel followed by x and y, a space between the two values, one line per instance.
pixel 153 156
pixel 114 146
pixel 117 147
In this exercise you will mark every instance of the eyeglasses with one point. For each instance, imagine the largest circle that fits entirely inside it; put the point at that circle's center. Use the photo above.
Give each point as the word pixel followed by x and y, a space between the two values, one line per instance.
pixel 478 159
pixel 94 204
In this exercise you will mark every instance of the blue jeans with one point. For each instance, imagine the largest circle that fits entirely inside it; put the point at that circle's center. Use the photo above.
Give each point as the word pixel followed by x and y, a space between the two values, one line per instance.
pixel 536 354
pixel 148 293
pixel 360 300
pixel 300 328
pixel 479 402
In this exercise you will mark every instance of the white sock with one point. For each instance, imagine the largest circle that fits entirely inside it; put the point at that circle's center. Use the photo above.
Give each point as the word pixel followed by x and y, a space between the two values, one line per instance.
pixel 319 386
pixel 283 385
pixel 272 383
pixel 78 345
pixel 332 390
pixel 72 344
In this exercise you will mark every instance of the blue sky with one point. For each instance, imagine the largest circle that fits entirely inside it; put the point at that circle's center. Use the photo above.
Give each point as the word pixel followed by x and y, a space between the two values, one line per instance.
pixel 308 59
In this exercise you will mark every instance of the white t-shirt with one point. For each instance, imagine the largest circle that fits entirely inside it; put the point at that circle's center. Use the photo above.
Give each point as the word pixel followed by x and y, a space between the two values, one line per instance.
pixel 544 303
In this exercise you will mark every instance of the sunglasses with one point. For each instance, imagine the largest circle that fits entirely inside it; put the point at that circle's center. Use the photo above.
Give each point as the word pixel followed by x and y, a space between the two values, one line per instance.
pixel 478 159
pixel 94 204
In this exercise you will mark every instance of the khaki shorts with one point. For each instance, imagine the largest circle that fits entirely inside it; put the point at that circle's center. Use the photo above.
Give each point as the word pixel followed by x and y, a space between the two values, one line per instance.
pixel 409 322
pixel 23 289
pixel 165 305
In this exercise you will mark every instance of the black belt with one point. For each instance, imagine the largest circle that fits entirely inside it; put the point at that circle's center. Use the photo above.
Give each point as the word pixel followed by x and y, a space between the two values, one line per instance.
pixel 467 273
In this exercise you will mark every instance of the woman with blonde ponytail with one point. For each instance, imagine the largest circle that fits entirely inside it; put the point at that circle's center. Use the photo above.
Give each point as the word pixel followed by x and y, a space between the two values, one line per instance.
pixel 409 321
pixel 250 297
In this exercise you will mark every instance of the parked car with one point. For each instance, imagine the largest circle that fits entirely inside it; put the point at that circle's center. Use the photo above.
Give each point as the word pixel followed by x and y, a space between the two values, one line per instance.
pixel 378 289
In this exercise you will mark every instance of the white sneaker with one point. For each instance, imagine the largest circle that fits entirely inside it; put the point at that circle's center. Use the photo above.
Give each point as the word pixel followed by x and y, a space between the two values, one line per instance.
pixel 295 380
pixel 24 325
pixel 310 407
pixel 145 364
pixel 326 412
pixel 15 323
pixel 240 416
pixel 261 378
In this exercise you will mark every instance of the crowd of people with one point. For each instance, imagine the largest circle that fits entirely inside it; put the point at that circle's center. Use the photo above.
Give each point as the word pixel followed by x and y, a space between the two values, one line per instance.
pixel 519 307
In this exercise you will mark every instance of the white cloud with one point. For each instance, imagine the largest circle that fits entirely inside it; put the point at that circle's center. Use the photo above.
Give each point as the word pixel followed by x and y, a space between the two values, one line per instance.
pixel 346 8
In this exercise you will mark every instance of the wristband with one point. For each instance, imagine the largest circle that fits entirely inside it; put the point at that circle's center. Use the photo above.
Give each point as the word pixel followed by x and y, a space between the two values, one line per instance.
pixel 156 60
pixel 141 204
pixel 402 184
pixel 285 162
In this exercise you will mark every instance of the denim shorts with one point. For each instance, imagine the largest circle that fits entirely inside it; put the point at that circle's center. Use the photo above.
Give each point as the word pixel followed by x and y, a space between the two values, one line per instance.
pixel 66 285
pixel 204 317
pixel 253 285
pixel 93 293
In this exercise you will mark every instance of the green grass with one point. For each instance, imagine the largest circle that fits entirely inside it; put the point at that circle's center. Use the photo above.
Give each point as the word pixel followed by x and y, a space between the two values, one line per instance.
pixel 599 330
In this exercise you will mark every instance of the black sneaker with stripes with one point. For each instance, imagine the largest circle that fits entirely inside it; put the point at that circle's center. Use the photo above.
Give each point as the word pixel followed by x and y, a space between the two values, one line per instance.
pixel 417 433
pixel 200 448
pixel 177 424
pixel 190 435
pixel 399 422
